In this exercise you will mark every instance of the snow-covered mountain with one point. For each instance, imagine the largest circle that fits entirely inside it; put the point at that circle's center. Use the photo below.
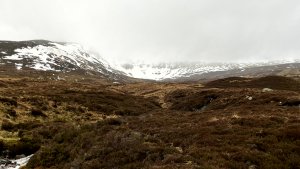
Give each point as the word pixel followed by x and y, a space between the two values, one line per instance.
pixel 67 57
pixel 50 56
pixel 184 70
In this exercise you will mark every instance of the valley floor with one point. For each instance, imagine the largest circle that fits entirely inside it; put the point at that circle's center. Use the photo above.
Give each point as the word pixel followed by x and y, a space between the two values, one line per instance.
pixel 227 123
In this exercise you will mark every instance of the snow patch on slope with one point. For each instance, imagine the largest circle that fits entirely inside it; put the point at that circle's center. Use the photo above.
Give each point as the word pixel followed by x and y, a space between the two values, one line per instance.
pixel 176 70
pixel 169 71
pixel 13 57
pixel 51 56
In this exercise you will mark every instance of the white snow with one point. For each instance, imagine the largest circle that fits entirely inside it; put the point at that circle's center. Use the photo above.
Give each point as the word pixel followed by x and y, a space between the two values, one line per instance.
pixel 56 54
pixel 3 52
pixel 13 57
pixel 174 70
pixel 19 163
pixel 46 57
pixel 18 65
pixel 170 71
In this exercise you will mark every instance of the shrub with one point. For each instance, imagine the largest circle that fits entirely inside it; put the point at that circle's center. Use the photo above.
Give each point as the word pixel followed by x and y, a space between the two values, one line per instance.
pixel 292 132
pixel 7 125
pixel 11 112
pixel 24 146
pixel 9 101
pixel 113 121
pixel 37 112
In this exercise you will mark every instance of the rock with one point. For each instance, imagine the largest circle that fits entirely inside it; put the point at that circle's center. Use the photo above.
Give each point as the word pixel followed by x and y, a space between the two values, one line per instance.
pixel 179 149
pixel 4 161
pixel 267 90
pixel 249 97
pixel 252 167
pixel 20 156
pixel 7 163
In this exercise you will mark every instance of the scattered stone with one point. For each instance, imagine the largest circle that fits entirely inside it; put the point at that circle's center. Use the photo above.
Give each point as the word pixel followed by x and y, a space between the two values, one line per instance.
pixel 249 97
pixel 235 116
pixel 267 90
pixel 213 119
pixel 5 163
pixel 189 162
pixel 179 149
pixel 252 167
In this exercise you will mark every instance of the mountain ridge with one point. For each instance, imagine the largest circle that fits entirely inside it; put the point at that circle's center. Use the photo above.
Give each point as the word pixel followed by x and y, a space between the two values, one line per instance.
pixel 44 55
pixel 173 71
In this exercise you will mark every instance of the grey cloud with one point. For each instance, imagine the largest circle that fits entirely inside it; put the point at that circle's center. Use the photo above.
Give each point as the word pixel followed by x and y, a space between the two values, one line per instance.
pixel 162 30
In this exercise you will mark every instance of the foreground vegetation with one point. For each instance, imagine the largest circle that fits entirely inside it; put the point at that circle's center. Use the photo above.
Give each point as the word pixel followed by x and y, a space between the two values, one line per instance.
pixel 228 123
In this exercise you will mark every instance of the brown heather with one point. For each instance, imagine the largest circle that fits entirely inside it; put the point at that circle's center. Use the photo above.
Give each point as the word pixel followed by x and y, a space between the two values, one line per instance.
pixel 227 123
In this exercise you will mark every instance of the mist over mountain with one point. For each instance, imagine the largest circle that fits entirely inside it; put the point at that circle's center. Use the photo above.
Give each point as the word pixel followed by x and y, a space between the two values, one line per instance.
pixel 162 31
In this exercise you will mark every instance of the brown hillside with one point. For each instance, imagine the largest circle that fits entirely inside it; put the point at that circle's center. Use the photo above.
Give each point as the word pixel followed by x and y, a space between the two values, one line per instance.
pixel 273 82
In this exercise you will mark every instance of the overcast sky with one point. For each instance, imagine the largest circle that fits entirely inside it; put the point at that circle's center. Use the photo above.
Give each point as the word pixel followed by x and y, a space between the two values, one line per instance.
pixel 162 30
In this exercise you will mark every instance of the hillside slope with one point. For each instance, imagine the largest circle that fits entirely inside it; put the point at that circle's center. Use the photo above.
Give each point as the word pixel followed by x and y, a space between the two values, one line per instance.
pixel 222 124
pixel 198 71
pixel 42 55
